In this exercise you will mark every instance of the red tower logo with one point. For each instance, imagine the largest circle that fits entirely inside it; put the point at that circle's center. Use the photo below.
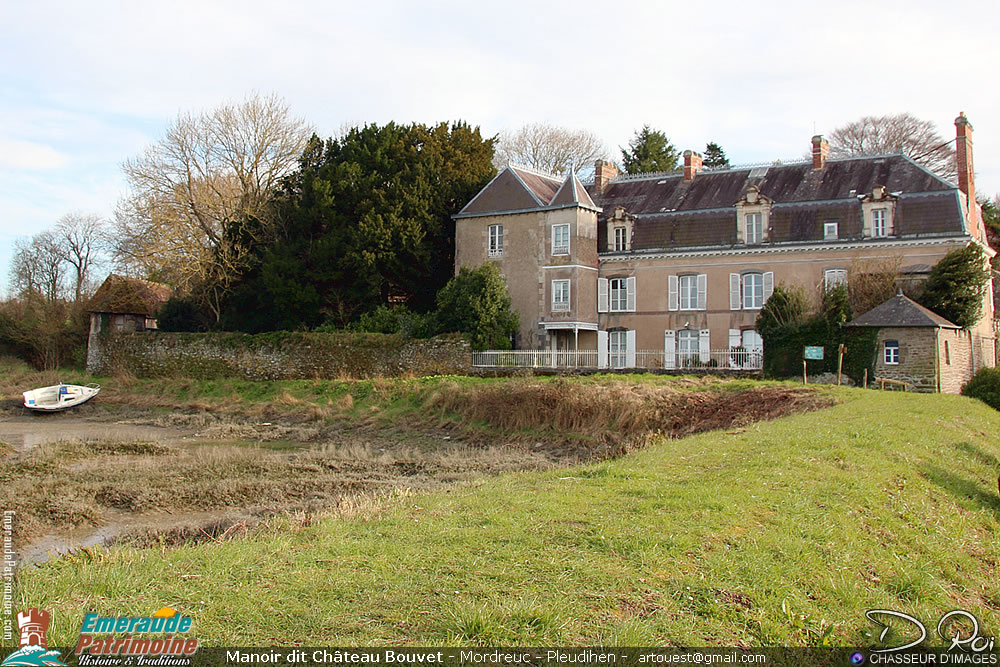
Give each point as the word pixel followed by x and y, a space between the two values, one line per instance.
pixel 33 623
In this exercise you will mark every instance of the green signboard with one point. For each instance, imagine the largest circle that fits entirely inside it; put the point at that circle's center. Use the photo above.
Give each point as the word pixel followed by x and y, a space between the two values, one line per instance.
pixel 813 352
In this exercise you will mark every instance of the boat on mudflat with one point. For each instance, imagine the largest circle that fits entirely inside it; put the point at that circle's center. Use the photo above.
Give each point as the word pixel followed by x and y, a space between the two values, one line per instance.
pixel 59 397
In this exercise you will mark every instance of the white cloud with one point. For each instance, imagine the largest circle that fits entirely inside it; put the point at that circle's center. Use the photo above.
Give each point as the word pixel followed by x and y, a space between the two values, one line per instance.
pixel 17 154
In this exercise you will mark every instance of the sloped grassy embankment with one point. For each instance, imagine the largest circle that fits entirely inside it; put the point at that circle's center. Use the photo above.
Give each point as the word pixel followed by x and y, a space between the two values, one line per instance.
pixel 776 533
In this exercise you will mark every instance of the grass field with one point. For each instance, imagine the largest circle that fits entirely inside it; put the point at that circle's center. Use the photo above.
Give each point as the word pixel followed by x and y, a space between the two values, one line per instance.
pixel 776 532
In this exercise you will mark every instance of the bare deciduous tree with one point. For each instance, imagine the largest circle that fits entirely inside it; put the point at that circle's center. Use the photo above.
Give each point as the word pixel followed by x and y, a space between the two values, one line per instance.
pixel 81 239
pixel 195 191
pixel 549 148
pixel 37 267
pixel 899 133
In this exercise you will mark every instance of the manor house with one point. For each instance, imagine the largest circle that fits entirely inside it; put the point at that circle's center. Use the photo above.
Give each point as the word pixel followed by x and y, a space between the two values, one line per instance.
pixel 679 264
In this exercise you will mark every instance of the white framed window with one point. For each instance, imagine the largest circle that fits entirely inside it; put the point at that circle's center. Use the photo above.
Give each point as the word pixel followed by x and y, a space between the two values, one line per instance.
pixel 753 228
pixel 834 277
pixel 496 241
pixel 688 292
pixel 560 296
pixel 891 354
pixel 753 291
pixel 616 295
pixel 830 231
pixel 618 348
pixel 688 347
pixel 618 288
pixel 560 239
pixel 750 290
pixel 621 239
pixel 880 222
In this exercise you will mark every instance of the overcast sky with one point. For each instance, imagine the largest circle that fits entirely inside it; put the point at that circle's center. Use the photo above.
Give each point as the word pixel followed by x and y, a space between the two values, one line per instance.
pixel 86 85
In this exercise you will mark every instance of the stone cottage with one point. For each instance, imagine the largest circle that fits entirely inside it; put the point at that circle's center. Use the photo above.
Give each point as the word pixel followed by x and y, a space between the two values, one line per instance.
pixel 123 304
pixel 919 347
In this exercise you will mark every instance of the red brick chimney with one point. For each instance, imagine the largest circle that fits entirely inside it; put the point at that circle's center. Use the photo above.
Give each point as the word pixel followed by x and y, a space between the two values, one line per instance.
pixel 692 165
pixel 821 148
pixel 963 156
pixel 604 173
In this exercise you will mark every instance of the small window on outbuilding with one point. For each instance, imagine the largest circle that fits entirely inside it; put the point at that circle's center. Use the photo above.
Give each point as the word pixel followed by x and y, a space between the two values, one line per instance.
pixel 891 355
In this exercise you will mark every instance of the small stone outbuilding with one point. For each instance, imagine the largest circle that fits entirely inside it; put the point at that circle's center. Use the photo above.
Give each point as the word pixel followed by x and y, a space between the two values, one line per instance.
pixel 919 347
pixel 123 304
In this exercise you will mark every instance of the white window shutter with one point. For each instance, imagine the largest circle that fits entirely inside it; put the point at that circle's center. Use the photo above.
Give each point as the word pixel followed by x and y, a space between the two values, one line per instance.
pixel 630 294
pixel 670 349
pixel 672 293
pixel 630 346
pixel 602 349
pixel 602 295
pixel 768 285
pixel 704 349
pixel 734 291
pixel 702 291
pixel 866 222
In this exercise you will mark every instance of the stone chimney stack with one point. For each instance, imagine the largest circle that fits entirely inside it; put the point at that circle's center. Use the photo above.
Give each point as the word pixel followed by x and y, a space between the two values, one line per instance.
pixel 963 156
pixel 821 148
pixel 604 173
pixel 692 165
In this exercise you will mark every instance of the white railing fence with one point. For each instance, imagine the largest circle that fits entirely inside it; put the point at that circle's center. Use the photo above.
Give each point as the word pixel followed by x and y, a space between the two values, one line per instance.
pixel 730 359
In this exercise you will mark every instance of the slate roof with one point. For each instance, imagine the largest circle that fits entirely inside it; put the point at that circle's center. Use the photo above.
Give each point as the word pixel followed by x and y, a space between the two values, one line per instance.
pixel 572 192
pixel 520 189
pixel 900 311
pixel 673 213
pixel 124 295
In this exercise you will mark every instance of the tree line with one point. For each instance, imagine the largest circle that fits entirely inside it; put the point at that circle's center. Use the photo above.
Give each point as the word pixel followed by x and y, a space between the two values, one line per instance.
pixel 260 224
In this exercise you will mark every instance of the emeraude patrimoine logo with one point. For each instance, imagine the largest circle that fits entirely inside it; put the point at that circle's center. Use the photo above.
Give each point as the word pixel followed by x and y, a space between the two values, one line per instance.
pixel 116 635
pixel 33 652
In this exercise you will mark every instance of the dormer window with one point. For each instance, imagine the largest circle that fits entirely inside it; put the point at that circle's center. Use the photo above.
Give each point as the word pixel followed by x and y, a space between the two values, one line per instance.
pixel 880 223
pixel 621 239
pixel 878 211
pixel 753 229
pixel 753 217
pixel 620 226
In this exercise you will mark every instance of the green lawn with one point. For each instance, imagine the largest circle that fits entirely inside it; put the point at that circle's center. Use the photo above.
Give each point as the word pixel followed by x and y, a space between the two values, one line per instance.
pixel 782 533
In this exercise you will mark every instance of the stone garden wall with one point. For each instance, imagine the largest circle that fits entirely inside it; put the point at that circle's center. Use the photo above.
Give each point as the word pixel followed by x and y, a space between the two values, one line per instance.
pixel 274 356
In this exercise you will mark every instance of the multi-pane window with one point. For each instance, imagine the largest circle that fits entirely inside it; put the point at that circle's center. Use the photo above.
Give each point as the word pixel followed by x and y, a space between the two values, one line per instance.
pixel 621 244
pixel 880 225
pixel 496 241
pixel 830 231
pixel 834 277
pixel 687 287
pixel 753 228
pixel 891 352
pixel 560 295
pixel 618 348
pixel 560 239
pixel 618 290
pixel 753 291
pixel 687 346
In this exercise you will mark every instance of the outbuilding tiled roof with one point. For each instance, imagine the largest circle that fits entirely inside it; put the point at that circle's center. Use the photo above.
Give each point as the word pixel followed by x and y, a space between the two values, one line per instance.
pixel 901 311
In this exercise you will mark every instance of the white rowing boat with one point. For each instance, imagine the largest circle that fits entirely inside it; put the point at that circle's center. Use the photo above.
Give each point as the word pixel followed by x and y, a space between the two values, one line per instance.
pixel 59 397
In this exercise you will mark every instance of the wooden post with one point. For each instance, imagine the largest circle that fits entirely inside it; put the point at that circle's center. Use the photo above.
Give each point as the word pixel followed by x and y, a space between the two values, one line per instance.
pixel 840 361
pixel 866 378
pixel 804 377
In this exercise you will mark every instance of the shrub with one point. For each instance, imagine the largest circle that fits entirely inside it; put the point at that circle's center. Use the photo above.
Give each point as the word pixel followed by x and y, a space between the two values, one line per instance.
pixel 957 285
pixel 985 386
pixel 397 319
pixel 785 309
pixel 475 302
